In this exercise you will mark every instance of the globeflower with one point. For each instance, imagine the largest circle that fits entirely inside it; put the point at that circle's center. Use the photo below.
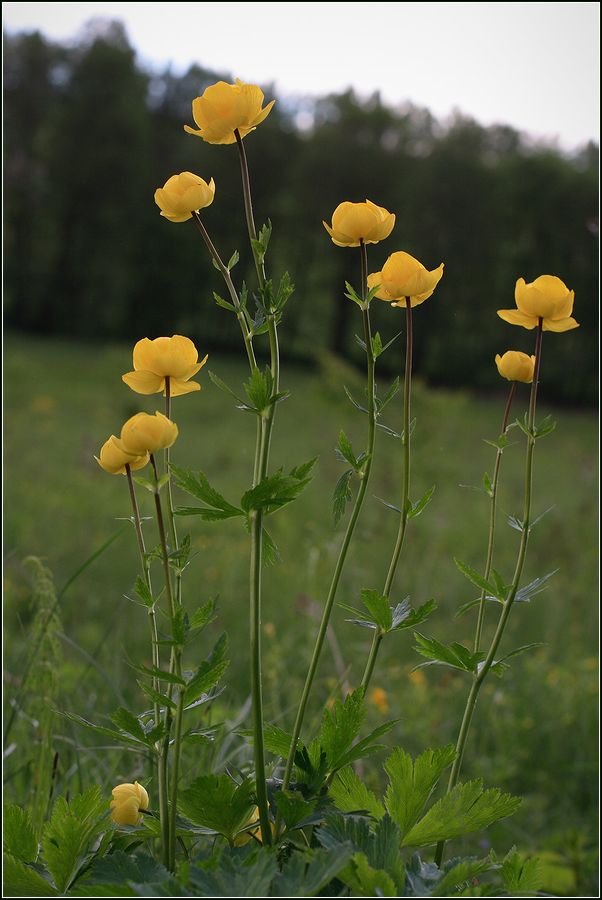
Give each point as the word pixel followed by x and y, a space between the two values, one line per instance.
pixel 128 800
pixel 353 223
pixel 164 357
pixel 225 108
pixel 114 457
pixel 147 434
pixel 516 366
pixel 547 298
pixel 183 194
pixel 403 276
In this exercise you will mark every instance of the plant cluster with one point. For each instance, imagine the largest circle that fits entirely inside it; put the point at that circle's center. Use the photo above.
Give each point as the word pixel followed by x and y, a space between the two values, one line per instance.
pixel 312 826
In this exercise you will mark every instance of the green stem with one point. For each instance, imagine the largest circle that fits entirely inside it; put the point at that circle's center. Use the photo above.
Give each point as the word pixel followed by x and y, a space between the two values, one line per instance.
pixel 481 674
pixel 492 517
pixel 176 666
pixel 262 452
pixel 225 271
pixel 365 476
pixel 145 568
pixel 405 492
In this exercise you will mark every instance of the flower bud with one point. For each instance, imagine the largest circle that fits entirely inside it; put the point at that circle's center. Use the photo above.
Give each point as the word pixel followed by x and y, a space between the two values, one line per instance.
pixel 356 222
pixel 224 108
pixel 183 194
pixel 128 800
pixel 516 366
pixel 114 457
pixel 147 434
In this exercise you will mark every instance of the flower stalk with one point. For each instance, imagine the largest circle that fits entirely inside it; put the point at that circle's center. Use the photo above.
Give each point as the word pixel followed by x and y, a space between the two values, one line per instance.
pixel 405 493
pixel 145 569
pixel 262 452
pixel 485 666
pixel 359 500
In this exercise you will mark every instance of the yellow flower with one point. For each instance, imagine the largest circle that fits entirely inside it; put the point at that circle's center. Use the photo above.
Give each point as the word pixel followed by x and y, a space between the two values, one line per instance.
pixel 113 457
pixel 245 836
pixel 403 276
pixel 128 800
pixel 379 698
pixel 546 298
pixel 183 194
pixel 165 357
pixel 516 366
pixel 147 434
pixel 352 222
pixel 224 107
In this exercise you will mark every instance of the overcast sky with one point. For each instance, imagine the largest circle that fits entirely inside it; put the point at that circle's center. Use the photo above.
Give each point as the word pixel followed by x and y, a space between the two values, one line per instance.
pixel 534 66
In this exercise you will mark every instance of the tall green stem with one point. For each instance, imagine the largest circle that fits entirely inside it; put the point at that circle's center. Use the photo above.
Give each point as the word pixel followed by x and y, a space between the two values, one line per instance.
pixel 481 674
pixel 177 667
pixel 145 569
pixel 492 516
pixel 262 452
pixel 405 492
pixel 365 476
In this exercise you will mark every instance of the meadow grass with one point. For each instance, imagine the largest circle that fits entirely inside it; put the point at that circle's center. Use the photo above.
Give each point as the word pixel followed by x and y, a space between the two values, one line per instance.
pixel 535 730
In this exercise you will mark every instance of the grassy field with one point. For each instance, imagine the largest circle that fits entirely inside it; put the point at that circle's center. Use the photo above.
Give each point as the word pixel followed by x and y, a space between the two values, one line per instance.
pixel 535 729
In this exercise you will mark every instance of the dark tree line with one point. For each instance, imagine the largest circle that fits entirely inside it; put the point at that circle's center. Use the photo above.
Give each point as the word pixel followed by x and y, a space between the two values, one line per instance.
pixel 89 135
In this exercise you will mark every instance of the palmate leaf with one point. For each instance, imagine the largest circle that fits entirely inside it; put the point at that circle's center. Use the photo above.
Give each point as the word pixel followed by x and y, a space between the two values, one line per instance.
pixel 197 485
pixel 101 729
pixel 426 879
pixel 476 578
pixel 454 655
pixel 521 876
pixel 236 874
pixel 406 617
pixel 277 490
pixel 20 880
pixel 380 847
pixel 219 803
pixel 350 794
pixel 411 782
pixel 340 726
pixel 468 807
pixel 69 833
pixel 19 835
pixel 121 868
pixel 208 673
pixel 364 880
pixel 306 874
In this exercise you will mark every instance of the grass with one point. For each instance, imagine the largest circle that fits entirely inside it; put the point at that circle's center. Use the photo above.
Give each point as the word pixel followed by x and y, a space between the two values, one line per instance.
pixel 535 729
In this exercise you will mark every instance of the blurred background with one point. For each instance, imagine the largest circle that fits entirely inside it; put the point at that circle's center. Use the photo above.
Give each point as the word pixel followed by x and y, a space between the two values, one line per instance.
pixel 93 125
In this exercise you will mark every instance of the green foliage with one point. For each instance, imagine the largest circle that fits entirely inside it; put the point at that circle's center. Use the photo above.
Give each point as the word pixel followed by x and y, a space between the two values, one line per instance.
pixel 20 880
pixel 217 507
pixel 522 877
pixel 350 794
pixel 411 783
pixel 236 874
pixel 453 655
pixel 277 490
pixel 219 803
pixel 468 807
pixel 67 836
pixel 19 835
pixel 208 673
pixel 388 618
pixel 124 869
pixel 341 496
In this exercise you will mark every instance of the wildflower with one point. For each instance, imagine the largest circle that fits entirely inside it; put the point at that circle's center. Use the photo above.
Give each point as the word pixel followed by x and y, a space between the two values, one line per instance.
pixel 147 434
pixel 165 357
pixel 114 457
pixel 417 678
pixel 403 276
pixel 546 298
pixel 224 108
pixel 183 194
pixel 516 366
pixel 355 222
pixel 379 698
pixel 128 800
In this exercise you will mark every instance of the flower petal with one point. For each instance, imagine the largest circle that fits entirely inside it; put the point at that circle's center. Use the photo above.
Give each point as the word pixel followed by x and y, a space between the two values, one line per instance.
pixel 560 325
pixel 516 317
pixel 177 387
pixel 144 382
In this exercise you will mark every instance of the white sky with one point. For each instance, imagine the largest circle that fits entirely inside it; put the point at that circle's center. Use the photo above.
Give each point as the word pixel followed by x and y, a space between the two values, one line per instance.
pixel 534 66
